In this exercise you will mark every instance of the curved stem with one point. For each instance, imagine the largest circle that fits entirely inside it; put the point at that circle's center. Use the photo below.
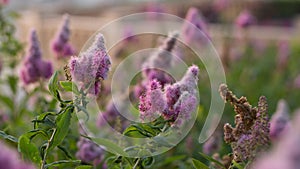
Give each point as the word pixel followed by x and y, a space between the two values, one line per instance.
pixel 136 164
pixel 46 150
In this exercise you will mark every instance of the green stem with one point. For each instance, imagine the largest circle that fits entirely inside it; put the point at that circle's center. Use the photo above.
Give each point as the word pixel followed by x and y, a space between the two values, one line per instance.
pixel 47 148
pixel 136 164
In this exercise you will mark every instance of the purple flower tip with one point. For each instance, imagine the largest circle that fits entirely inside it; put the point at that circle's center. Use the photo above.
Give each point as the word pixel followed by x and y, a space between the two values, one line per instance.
pixel 34 67
pixel 89 152
pixel 91 66
pixel 190 79
pixel 9 159
pixel 128 34
pixel 279 122
pixel 192 33
pixel 60 44
pixel 245 19
pixel 297 82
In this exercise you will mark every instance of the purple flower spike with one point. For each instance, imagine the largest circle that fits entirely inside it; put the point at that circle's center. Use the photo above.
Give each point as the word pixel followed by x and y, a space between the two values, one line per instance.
pixel 220 5
pixel 172 93
pixel 9 159
pixel 153 10
pixel 161 59
pixel 89 152
pixel 34 67
pixel 245 19
pixel 285 154
pixel 190 79
pixel 192 33
pixel 60 44
pixel 283 54
pixel 280 121
pixel 297 82
pixel 91 66
pixel 186 104
pixel 128 35
pixel 153 102
pixel 174 102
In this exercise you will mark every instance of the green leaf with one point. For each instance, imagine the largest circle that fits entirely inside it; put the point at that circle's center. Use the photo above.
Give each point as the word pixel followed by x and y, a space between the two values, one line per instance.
pixel 69 87
pixel 44 115
pixel 62 127
pixel 198 164
pixel 141 130
pixel 41 118
pixel 13 81
pixel 212 160
pixel 53 86
pixel 60 162
pixel 111 146
pixel 8 137
pixel 7 101
pixel 84 167
pixel 28 149
pixel 66 152
pixel 133 131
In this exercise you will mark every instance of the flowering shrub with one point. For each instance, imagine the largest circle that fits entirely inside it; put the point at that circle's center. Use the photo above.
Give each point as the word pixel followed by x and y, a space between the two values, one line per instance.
pixel 39 127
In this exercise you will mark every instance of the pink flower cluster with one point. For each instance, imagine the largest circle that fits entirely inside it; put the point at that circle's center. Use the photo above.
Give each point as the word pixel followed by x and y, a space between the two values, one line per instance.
pixel 283 54
pixel 161 59
pixel 195 28
pixel 245 19
pixel 4 2
pixel 91 66
pixel 286 152
pixel 60 44
pixel 9 159
pixel 89 152
pixel 280 121
pixel 174 102
pixel 34 68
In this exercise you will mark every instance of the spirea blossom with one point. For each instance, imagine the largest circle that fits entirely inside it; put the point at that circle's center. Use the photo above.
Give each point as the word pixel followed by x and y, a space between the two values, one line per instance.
pixel 153 10
pixel 192 28
pixel 280 121
pixel 128 35
pixel 187 101
pixel 156 63
pixel 10 159
pixel 89 152
pixel 112 116
pixel 91 66
pixel 251 132
pixel 34 67
pixel 245 19
pixel 286 153
pixel 60 44
pixel 220 5
pixel 283 54
pixel 4 2
pixel 152 102
pixel 161 59
pixel 213 144
pixel 174 102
